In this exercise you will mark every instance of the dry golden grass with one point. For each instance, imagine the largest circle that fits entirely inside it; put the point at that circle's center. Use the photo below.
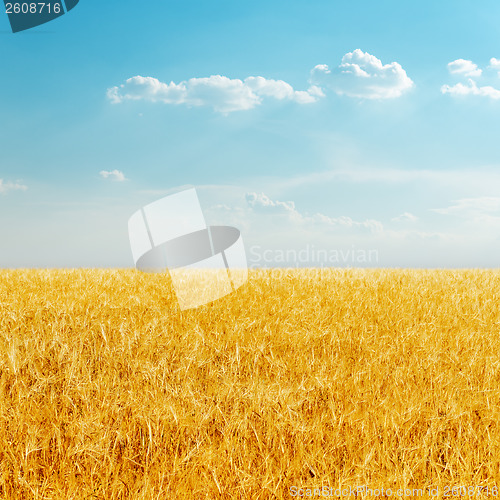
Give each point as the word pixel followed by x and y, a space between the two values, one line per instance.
pixel 301 378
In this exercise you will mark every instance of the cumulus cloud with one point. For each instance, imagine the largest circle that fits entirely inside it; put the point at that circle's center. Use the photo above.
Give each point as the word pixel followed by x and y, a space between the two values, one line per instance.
pixel 363 75
pixel 113 174
pixel 405 217
pixel 471 89
pixel 223 94
pixel 6 186
pixel 464 67
pixel 261 203
pixel 282 90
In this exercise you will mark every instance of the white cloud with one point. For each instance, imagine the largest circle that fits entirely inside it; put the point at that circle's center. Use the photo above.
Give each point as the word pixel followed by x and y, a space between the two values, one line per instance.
pixel 5 187
pixel 472 89
pixel 113 174
pixel 405 217
pixel 464 67
pixel 223 94
pixel 282 90
pixel 261 203
pixel 495 65
pixel 472 206
pixel 362 75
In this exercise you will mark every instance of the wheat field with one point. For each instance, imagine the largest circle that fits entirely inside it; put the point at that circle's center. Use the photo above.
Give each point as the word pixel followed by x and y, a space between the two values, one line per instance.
pixel 300 379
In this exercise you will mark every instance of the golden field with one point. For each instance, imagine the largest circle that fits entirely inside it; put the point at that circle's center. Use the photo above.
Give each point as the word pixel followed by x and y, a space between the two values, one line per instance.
pixel 302 378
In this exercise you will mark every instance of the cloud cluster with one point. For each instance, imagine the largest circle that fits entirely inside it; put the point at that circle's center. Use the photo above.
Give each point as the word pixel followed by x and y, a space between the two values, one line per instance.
pixel 8 186
pixel 223 94
pixel 362 75
pixel 269 224
pixel 466 68
pixel 261 203
pixel 471 88
pixel 359 75
pixel 495 64
pixel 116 175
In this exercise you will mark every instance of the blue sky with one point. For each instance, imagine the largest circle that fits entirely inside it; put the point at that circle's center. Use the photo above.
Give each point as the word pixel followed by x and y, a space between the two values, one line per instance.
pixel 384 146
